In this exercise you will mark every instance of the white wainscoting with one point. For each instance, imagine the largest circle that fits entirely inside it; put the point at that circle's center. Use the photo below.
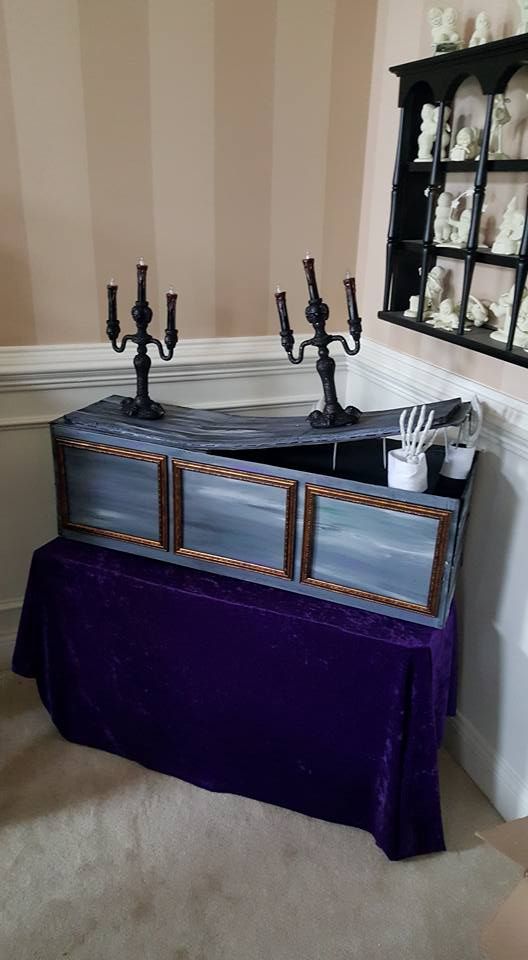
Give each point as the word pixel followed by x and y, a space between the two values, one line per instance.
pixel 39 384
pixel 489 736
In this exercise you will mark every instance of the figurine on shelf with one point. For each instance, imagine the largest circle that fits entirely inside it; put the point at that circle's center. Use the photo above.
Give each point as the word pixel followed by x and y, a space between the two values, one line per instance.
pixel 427 135
pixel 412 309
pixel 450 25
pixel 444 35
pixel 434 290
pixel 482 31
pixel 502 310
pixel 510 232
pixel 446 131
pixel 501 116
pixel 523 26
pixel 461 226
pixel 476 312
pixel 438 33
pixel 442 223
pixel 445 317
pixel 466 144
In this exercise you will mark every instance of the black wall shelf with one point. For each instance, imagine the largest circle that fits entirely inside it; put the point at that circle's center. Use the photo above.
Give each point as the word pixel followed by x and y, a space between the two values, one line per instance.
pixel 409 260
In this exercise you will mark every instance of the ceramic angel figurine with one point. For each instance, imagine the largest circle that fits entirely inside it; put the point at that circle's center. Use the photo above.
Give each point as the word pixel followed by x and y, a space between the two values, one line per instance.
pixel 523 26
pixel 442 223
pixel 445 317
pixel 508 239
pixel 501 116
pixel 482 31
pixel 427 135
pixel 466 144
pixel 502 310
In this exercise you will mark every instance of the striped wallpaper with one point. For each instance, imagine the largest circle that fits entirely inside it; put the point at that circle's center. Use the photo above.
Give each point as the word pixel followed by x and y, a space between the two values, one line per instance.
pixel 218 139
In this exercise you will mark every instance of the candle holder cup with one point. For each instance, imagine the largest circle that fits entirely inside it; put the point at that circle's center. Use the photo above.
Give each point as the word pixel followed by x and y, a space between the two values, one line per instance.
pixel 142 406
pixel 317 313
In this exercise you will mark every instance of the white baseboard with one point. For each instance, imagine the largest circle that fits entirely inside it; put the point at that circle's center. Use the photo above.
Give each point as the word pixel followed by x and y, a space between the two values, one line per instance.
pixel 507 791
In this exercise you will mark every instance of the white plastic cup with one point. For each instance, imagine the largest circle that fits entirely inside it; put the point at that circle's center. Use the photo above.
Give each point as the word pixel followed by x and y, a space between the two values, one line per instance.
pixel 458 461
pixel 404 474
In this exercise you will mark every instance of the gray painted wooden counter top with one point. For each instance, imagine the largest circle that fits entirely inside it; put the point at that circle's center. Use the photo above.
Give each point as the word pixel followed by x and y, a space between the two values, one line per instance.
pixel 210 430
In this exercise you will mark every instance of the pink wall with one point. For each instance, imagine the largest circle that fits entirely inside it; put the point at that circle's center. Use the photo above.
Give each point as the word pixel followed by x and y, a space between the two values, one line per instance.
pixel 402 34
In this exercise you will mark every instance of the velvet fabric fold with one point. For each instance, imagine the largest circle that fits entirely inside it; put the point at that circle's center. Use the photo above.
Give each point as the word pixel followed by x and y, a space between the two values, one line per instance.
pixel 240 688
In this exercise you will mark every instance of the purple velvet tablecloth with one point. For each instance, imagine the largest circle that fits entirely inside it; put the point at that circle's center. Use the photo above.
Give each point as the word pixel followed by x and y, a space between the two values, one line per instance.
pixel 241 688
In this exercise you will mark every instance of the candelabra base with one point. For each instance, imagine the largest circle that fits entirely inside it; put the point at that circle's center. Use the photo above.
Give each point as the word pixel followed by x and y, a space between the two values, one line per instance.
pixel 142 409
pixel 337 417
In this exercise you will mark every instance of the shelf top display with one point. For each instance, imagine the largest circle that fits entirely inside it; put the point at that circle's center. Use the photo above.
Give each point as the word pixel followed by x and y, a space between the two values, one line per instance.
pixel 492 64
pixel 428 222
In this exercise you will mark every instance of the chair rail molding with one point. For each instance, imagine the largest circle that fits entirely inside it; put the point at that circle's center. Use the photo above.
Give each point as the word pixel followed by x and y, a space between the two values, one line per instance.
pixel 40 383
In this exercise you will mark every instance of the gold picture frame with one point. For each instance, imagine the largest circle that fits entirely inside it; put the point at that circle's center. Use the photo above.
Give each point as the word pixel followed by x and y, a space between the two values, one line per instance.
pixel 290 487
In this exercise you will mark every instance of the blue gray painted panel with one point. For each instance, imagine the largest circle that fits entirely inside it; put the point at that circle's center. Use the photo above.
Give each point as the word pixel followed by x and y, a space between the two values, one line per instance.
pixel 237 519
pixel 114 493
pixel 374 550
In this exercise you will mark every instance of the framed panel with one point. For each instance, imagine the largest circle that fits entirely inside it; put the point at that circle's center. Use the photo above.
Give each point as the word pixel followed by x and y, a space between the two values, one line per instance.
pixel 234 517
pixel 112 492
pixel 386 551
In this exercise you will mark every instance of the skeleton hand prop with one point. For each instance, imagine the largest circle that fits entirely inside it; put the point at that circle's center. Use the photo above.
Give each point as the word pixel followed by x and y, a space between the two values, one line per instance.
pixel 414 435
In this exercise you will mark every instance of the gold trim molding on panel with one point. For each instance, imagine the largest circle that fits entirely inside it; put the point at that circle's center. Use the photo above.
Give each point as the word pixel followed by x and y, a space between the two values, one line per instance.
pixel 442 516
pixel 63 500
pixel 290 486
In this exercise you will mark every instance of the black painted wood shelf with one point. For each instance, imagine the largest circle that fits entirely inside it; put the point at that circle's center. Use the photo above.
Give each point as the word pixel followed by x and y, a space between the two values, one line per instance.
pixel 476 338
pixel 416 187
pixel 470 166
pixel 460 253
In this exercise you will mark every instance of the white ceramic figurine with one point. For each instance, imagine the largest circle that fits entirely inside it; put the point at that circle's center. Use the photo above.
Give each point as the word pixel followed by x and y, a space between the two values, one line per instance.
pixel 466 144
pixel 436 22
pixel 446 131
pixel 477 312
pixel 445 317
pixel 442 224
pixel 482 31
pixel 508 239
pixel 444 34
pixel 427 134
pixel 502 310
pixel 523 26
pixel 434 290
pixel 450 24
pixel 501 116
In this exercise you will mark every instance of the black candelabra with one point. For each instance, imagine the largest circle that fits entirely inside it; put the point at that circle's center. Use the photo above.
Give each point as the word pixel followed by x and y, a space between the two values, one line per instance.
pixel 141 406
pixel 317 313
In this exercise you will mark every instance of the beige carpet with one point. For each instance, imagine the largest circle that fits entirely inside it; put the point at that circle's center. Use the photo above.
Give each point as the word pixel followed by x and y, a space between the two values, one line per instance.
pixel 103 860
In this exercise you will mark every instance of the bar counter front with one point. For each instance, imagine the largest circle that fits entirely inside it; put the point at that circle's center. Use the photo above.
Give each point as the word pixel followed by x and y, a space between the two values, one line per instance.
pixel 329 710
